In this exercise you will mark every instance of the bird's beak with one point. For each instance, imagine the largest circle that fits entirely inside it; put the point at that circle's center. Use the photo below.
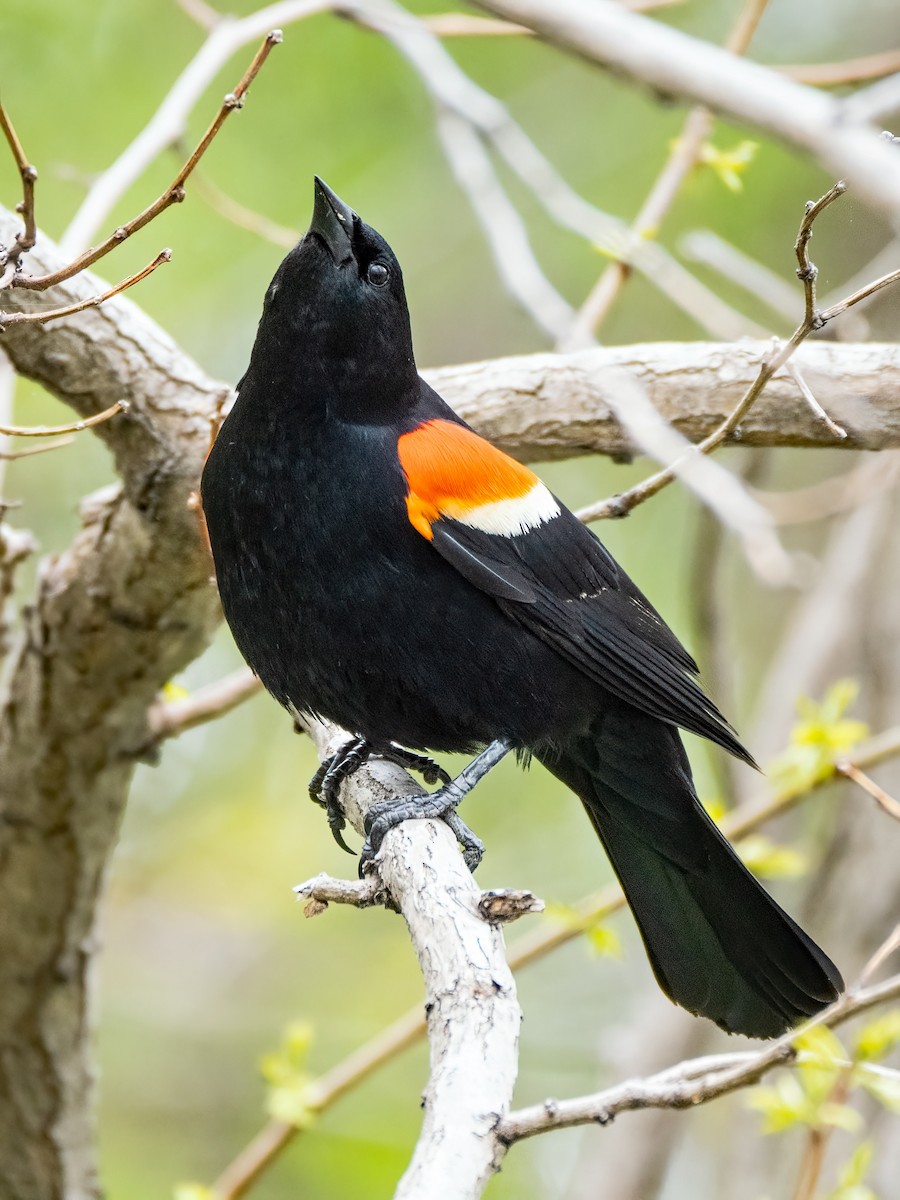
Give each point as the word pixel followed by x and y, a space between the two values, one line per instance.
pixel 332 220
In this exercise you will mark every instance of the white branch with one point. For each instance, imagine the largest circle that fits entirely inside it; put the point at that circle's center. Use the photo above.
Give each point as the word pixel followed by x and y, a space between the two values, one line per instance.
pixel 473 1013
pixel 679 65
pixel 688 1084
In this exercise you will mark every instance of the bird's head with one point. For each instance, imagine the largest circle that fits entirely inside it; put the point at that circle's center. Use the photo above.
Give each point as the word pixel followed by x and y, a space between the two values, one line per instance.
pixel 335 323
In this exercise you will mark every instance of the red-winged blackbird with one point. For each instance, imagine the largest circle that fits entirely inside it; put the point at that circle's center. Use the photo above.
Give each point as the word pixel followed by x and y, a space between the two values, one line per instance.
pixel 383 566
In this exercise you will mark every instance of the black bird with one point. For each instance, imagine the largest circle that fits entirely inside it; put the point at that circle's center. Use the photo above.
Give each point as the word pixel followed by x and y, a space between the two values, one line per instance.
pixel 383 566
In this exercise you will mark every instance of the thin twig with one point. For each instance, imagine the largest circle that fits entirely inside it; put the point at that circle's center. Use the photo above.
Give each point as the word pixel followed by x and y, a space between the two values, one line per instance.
pixel 882 798
pixel 889 946
pixel 13 455
pixel 25 239
pixel 254 1159
pixel 686 1088
pixel 74 427
pixel 837 494
pixel 169 718
pixel 174 194
pixel 245 218
pixel 852 70
pixel 814 319
pixel 682 159
pixel 68 310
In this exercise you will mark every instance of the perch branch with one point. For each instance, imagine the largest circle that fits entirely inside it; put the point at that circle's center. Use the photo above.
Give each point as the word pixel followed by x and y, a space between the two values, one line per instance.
pixel 255 1158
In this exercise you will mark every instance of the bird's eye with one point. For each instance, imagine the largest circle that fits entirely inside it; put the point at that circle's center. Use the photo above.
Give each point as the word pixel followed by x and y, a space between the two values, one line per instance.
pixel 377 274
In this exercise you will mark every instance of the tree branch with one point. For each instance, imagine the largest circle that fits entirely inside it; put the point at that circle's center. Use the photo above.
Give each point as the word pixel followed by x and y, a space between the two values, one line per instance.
pixel 686 67
pixel 123 609
pixel 472 1012
pixel 688 1084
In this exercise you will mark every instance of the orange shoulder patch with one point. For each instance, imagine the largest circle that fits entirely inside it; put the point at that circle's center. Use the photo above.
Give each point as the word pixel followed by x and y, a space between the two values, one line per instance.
pixel 451 471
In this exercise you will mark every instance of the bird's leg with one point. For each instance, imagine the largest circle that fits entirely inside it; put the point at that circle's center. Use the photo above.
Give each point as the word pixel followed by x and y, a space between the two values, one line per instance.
pixel 325 785
pixel 440 804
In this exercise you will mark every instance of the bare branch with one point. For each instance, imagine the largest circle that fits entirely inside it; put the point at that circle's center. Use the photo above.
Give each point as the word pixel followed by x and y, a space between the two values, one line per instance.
pixel 14 455
pixel 174 194
pixel 814 319
pixel 408 1029
pixel 41 431
pixel 41 317
pixel 674 63
pixel 853 70
pixel 883 799
pixel 682 159
pixel 169 718
pixel 25 238
pixel 322 890
pixel 690 1083
pixel 835 495
pixel 245 218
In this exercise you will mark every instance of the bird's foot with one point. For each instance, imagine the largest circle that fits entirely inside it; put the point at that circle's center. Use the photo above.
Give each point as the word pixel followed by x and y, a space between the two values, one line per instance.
pixel 442 804
pixel 430 771
pixel 325 785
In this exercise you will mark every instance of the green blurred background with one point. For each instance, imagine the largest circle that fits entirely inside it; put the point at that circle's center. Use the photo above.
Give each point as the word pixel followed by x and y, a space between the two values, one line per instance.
pixel 207 958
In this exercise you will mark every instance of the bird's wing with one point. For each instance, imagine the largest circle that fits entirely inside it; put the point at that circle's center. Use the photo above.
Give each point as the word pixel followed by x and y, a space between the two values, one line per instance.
pixel 501 528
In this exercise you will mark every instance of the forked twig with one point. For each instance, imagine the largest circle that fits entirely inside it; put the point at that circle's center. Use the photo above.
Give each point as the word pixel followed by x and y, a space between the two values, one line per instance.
pixel 68 310
pixel 814 319
pixel 174 194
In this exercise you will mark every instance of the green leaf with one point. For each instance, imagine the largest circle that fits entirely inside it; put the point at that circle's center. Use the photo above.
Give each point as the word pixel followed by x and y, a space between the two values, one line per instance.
pixel 290 1097
pixel 729 165
pixel 821 737
pixel 605 941
pixel 771 861
pixel 882 1083
pixel 782 1105
pixel 879 1037
pixel 851 1178
pixel 854 1171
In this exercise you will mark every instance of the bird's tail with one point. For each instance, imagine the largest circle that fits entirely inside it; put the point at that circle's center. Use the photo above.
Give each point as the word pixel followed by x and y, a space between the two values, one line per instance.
pixel 718 943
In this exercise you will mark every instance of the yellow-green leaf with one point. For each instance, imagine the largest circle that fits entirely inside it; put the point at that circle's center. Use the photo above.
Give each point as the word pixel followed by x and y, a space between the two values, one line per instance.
pixel 292 1105
pixel 822 736
pixel 851 1179
pixel 192 1191
pixel 290 1084
pixel 605 941
pixel 881 1083
pixel 729 165
pixel 879 1037
pixel 766 858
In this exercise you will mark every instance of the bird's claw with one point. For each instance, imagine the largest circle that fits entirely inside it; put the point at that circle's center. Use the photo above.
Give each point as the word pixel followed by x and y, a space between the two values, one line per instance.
pixel 441 805
pixel 325 785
